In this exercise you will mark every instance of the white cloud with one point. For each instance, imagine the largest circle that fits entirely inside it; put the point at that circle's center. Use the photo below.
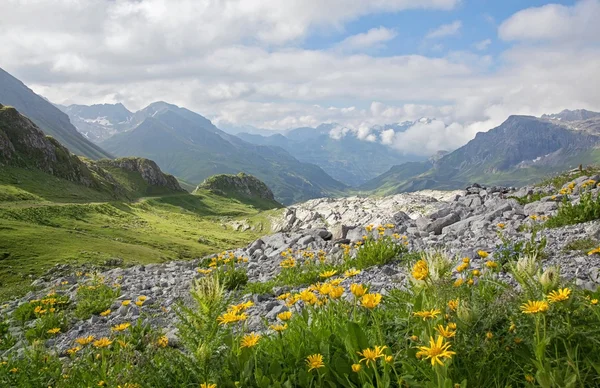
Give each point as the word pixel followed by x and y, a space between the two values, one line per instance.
pixel 374 38
pixel 482 45
pixel 445 30
pixel 554 22
pixel 387 136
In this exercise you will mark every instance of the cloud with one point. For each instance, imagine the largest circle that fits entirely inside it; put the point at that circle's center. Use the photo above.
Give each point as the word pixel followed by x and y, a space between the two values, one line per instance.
pixel 482 45
pixel 374 38
pixel 445 30
pixel 554 22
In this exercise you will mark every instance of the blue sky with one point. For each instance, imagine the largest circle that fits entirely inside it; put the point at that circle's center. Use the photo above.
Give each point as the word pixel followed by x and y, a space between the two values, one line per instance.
pixel 468 64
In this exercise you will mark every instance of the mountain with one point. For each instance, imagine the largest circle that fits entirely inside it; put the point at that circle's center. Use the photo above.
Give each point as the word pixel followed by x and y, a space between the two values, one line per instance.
pixel 100 121
pixel 24 147
pixel 241 186
pixel 46 116
pixel 347 159
pixel 189 146
pixel 516 152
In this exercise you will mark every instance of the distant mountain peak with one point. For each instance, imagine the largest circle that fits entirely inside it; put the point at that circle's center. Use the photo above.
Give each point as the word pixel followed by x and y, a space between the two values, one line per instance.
pixel 572 115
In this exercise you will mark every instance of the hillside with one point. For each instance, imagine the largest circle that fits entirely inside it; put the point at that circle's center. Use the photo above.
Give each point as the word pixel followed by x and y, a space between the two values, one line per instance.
pixel 100 121
pixel 46 116
pixel 241 186
pixel 347 159
pixel 519 151
pixel 189 146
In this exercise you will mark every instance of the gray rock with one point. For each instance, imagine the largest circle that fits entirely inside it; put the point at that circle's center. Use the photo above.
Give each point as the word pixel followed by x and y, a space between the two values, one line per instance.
pixel 437 225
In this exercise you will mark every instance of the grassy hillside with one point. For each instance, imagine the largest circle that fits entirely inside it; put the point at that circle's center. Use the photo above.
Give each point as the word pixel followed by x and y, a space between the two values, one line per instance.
pixel 45 221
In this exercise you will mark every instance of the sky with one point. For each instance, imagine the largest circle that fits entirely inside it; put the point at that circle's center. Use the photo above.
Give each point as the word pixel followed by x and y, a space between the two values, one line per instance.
pixel 465 64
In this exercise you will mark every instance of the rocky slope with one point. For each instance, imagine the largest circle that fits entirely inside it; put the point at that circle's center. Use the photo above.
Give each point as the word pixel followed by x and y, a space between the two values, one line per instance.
pixel 461 223
pixel 46 116
pixel 148 170
pixel 240 185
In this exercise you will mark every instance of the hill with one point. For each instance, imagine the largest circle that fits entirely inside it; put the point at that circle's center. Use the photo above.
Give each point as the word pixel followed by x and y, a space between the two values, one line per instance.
pixel 518 152
pixel 191 147
pixel 46 116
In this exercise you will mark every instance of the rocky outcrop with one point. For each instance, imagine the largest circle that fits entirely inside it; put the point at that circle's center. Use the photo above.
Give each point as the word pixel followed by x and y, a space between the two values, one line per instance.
pixel 240 185
pixel 147 168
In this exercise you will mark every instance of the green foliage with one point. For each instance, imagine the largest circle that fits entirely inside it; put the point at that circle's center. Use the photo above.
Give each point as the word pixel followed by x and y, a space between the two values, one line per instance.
pixel 260 288
pixel 378 252
pixel 510 251
pixel 559 180
pixel 588 209
pixel 582 244
pixel 44 324
pixel 234 279
pixel 6 339
pixel 94 298
pixel 528 199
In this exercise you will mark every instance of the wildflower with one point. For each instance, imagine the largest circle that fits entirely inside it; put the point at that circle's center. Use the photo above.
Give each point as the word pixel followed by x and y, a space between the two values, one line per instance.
pixel 466 260
pixel 204 271
pixel 121 327
pixel 559 296
pixel 518 340
pixel 491 264
pixel 445 332
pixel 369 228
pixel 102 342
pixel 420 270
pixel 436 351
pixel 594 302
pixel 476 272
pixel 289 263
pixel 55 330
pixel 427 314
pixel 105 313
pixel 284 296
pixel 101 383
pixel 163 341
pixel 336 282
pixel 250 340
pixel 238 308
pixel 207 385
pixel 231 317
pixel 452 326
pixel 285 316
pixel 327 274
pixel 501 225
pixel 462 267
pixel 371 355
pixel 489 335
pixel 414 338
pixel 483 254
pixel 139 303
pixel 142 298
pixel 594 251
pixel 14 370
pixel 356 368
pixel 84 340
pixel 396 236
pixel 530 379
pixel 315 361
pixel 336 292
pixel 308 297
pixel 470 282
pixel 73 350
pixel 370 301
pixel 533 307
pixel 458 282
pixel 358 290
pixel 278 328
pixel 39 310
pixel 512 328
pixel 351 273
pixel 453 304
pixel 324 289
pixel 388 359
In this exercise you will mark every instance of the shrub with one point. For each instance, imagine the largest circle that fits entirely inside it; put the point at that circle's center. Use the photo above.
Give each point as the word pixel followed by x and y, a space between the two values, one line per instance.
pixel 234 279
pixel 378 251
pixel 588 209
pixel 94 298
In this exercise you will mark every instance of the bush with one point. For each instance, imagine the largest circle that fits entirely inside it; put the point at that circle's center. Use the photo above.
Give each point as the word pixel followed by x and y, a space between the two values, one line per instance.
pixel 94 298
pixel 378 252
pixel 588 209
pixel 234 279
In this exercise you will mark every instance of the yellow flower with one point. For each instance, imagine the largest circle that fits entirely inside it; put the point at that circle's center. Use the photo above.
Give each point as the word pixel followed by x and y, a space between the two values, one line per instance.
pixel 14 370
pixel 358 290
pixel 388 359
pixel 371 355
pixel 204 271
pixel 458 282
pixel 231 317
pixel 279 328
pixel 427 314
pixel 452 325
pixel 55 330
pixel 238 308
pixel 436 351
pixel 530 379
pixel 142 298
pixel 84 340
pixel 453 304
pixel 462 267
pixel 356 368
pixel 445 332
pixel 336 292
pixel 105 313
pixel 139 303
pixel 102 342
pixel 284 296
pixel 594 251
pixel 594 302
pixel 207 385
pixel 336 282
pixel 559 296
pixel 501 225
pixel 327 274
pixel 285 316
pixel 483 254
pixel 369 228
pixel 351 273
pixel 315 361
pixel 289 263
pixel 470 282
pixel 476 272
pixel 533 307
pixel 163 341
pixel 489 335
pixel 518 340
pixel 121 327
pixel 512 328
pixel 414 338
pixel 73 350
pixel 126 302
pixel 101 383
pixel 370 301
pixel 420 270
pixel 396 236
pixel 308 297
pixel 466 260
pixel 491 264
pixel 250 340
pixel 324 289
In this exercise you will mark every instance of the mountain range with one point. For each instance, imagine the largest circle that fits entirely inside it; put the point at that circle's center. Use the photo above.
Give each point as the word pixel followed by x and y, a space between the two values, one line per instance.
pixel 45 115
pixel 517 152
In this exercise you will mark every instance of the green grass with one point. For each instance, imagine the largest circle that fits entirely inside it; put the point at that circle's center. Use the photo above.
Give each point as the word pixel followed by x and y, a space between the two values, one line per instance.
pixel 583 245
pixel 46 221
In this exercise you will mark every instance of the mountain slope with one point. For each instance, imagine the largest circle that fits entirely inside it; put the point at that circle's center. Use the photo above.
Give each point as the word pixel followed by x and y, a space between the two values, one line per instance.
pixel 348 159
pixel 191 147
pixel 100 121
pixel 518 151
pixel 46 116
